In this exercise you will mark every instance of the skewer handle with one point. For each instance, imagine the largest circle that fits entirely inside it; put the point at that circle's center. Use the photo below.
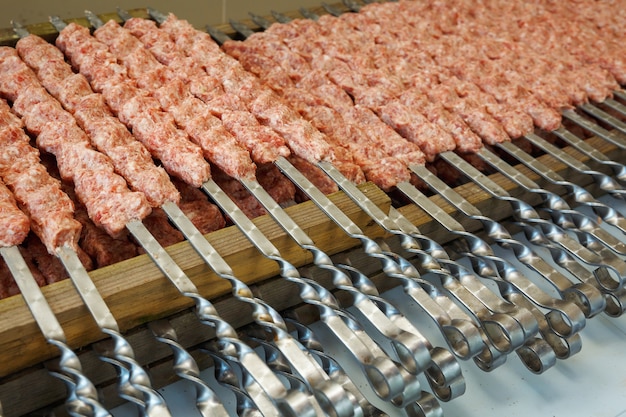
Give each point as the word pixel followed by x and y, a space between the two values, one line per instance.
pixel 83 397
pixel 86 288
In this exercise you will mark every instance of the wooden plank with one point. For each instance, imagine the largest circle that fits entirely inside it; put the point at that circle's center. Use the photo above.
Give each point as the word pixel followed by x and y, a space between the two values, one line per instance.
pixel 136 291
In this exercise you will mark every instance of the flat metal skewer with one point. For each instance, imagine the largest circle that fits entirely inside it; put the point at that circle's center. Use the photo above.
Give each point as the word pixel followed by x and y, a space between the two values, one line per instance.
pixel 463 327
pixel 410 348
pixel 82 399
pixel 134 382
pixel 605 182
pixel 409 234
pixel 615 137
pixel 619 169
pixel 608 214
pixel 385 378
pixel 328 394
pixel 538 230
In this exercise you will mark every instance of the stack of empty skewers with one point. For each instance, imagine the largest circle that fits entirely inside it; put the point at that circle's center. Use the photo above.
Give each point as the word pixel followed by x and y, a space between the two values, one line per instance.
pixel 309 149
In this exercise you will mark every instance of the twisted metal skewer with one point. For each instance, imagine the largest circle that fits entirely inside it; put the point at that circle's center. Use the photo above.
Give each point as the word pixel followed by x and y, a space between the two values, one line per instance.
pixel 134 383
pixel 82 399
pixel 427 406
pixel 560 211
pixel 585 228
pixel 443 373
pixel 185 366
pixel 410 348
pixel 307 337
pixel 505 335
pixel 250 399
pixel 545 233
pixel 247 32
pixel 291 403
pixel 605 182
pixel 320 258
pixel 461 333
pixel 264 315
pixel 608 214
pixel 381 372
pixel 565 317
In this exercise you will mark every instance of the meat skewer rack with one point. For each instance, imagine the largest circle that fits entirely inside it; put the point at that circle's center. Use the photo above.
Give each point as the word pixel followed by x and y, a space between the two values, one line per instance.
pixel 357 228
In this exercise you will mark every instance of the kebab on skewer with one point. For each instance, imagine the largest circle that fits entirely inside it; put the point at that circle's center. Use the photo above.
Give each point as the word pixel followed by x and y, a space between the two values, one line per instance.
pixel 105 33
pixel 164 49
pixel 157 252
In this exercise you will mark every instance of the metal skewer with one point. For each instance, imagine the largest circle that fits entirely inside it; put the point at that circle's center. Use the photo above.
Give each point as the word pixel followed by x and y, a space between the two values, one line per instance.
pixel 583 226
pixel 409 347
pixel 537 354
pixel 580 195
pixel 329 395
pixel 250 398
pixel 308 14
pixel 619 170
pixel 254 186
pixel 352 5
pixel 516 334
pixel 543 230
pixel 604 181
pixel 384 376
pixel 615 137
pixel 289 403
pixel 467 344
pixel 204 393
pixel 560 211
pixel 410 236
pixel 412 282
pixel 565 317
pixel 134 381
pixel 562 214
pixel 307 337
pixel 278 16
pixel 242 30
pixel 207 402
pixel 82 399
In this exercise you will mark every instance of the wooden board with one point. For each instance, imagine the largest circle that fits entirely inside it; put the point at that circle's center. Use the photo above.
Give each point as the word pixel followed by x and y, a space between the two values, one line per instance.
pixel 136 291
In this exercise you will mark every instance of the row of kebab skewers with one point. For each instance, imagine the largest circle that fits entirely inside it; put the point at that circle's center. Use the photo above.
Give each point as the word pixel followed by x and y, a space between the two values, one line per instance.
pixel 324 107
